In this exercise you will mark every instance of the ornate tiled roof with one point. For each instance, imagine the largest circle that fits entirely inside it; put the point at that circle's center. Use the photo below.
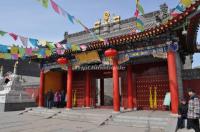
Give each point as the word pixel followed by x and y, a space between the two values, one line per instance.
pixel 120 38
pixel 125 27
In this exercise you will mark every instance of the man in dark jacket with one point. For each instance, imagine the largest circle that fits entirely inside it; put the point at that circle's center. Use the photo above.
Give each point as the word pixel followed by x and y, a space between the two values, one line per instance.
pixel 182 112
pixel 50 96
pixel 193 111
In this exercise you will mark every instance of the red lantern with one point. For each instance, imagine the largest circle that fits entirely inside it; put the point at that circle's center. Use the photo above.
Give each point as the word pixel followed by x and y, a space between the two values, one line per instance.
pixel 110 53
pixel 62 61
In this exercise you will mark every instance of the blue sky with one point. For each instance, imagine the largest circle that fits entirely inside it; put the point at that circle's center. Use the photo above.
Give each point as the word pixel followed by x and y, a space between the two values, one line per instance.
pixel 30 19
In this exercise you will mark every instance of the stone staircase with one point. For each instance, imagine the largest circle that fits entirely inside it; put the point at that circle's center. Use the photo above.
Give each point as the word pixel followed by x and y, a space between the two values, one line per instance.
pixel 42 112
pixel 150 121
pixel 141 119
pixel 97 117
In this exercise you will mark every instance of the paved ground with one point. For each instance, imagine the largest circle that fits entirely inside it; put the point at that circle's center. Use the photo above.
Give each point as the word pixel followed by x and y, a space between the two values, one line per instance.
pixel 13 122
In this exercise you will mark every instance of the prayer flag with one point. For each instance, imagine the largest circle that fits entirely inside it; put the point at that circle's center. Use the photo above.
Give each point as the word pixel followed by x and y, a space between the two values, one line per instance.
pixel 36 51
pixel 136 13
pixel 14 56
pixel 1 55
pixel 136 1
pixel 14 36
pixel 42 52
pixel 83 47
pixel 180 8
pixel 55 7
pixel 24 40
pixel 43 42
pixel 139 21
pixel 14 50
pixel 7 56
pixel 2 33
pixel 58 45
pixel 48 52
pixel 60 51
pixel 44 3
pixel 186 3
pixel 51 45
pixel 21 52
pixel 3 48
pixel 34 42
pixel 140 9
pixel 174 14
pixel 71 18
pixel 63 12
pixel 139 26
pixel 67 46
pixel 28 51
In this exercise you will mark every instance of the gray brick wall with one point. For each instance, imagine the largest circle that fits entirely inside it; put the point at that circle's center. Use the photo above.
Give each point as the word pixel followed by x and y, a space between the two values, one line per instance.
pixel 23 68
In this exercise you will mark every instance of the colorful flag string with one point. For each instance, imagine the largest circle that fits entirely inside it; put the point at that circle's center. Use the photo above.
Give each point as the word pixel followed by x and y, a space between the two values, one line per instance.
pixel 138 22
pixel 180 8
pixel 36 43
pixel 59 10
pixel 24 40
pixel 15 52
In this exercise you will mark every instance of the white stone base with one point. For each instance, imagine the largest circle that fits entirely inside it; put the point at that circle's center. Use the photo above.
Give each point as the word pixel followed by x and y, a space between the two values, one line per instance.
pixel 11 100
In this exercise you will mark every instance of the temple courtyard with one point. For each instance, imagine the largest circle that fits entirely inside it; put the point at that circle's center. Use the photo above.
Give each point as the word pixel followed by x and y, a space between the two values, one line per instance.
pixel 86 120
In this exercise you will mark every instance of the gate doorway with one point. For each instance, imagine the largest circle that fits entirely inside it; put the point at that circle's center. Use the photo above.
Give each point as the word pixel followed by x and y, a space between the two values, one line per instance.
pixel 104 92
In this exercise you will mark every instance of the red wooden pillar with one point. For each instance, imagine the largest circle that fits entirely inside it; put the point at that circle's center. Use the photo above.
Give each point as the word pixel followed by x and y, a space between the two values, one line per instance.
pixel 102 91
pixel 130 87
pixel 134 91
pixel 173 83
pixel 41 97
pixel 69 87
pixel 87 90
pixel 116 100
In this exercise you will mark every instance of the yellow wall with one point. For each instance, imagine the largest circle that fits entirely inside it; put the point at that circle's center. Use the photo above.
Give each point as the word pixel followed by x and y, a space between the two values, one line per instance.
pixel 53 80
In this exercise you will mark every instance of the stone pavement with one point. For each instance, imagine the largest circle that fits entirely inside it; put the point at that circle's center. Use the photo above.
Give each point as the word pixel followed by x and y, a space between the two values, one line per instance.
pixel 30 122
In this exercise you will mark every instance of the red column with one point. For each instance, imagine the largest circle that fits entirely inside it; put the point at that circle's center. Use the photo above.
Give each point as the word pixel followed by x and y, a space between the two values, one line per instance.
pixel 134 91
pixel 69 87
pixel 41 98
pixel 87 90
pixel 102 91
pixel 130 86
pixel 116 102
pixel 173 83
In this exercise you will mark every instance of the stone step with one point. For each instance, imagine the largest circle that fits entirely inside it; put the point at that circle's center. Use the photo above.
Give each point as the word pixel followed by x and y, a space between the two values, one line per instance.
pixel 82 117
pixel 43 112
pixel 72 115
pixel 140 121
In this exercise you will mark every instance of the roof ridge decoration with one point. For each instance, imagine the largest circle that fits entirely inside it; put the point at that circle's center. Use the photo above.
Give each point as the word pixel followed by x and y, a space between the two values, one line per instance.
pixel 162 28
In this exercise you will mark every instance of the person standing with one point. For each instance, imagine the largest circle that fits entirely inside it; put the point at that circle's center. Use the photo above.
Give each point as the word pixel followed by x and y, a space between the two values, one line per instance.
pixel 193 111
pixel 62 98
pixel 49 99
pixel 182 114
pixel 57 99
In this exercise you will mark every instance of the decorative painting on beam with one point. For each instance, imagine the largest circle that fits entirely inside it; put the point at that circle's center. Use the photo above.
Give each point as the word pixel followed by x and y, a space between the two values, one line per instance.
pixel 87 57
